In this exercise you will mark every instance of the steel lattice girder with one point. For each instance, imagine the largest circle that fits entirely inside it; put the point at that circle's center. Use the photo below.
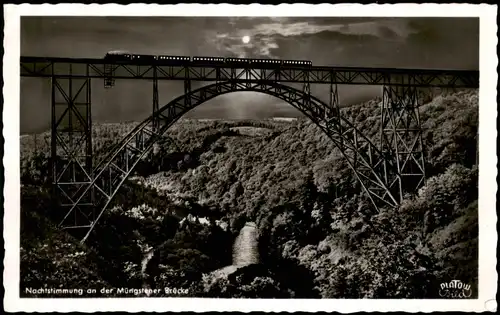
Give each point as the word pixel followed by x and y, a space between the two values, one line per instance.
pixel 155 99
pixel 401 137
pixel 71 148
pixel 42 67
pixel 363 157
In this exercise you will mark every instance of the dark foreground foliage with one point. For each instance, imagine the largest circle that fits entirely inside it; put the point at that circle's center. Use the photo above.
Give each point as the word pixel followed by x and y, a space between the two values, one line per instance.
pixel 183 209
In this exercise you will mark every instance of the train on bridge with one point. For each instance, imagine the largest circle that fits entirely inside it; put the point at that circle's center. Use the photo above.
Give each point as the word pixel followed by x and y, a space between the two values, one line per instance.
pixel 118 57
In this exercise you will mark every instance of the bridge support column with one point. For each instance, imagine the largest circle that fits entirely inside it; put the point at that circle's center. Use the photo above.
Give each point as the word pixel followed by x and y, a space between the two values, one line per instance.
pixel 156 122
pixel 334 100
pixel 109 81
pixel 233 78
pixel 401 135
pixel 187 91
pixel 334 110
pixel 306 89
pixel 71 148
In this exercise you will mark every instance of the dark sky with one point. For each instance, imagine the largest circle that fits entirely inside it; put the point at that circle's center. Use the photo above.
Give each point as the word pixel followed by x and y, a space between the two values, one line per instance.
pixel 445 43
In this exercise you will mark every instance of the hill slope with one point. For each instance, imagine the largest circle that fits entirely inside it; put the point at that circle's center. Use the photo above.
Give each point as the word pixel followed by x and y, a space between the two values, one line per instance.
pixel 312 217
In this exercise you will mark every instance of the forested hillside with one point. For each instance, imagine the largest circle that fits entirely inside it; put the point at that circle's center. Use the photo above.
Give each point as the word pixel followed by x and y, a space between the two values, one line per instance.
pixel 189 202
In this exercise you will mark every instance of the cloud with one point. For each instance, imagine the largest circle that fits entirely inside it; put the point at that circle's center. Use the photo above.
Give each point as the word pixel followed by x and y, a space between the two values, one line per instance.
pixel 336 41
pixel 374 42
pixel 267 36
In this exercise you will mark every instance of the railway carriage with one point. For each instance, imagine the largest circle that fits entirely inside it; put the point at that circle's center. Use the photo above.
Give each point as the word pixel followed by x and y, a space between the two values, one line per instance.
pixel 173 60
pixel 119 56
pixel 235 62
pixel 207 61
pixel 143 59
pixel 266 63
pixel 297 63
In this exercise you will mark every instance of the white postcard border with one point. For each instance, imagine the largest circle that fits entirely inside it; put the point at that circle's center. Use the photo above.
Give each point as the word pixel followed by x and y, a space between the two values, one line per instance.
pixel 487 172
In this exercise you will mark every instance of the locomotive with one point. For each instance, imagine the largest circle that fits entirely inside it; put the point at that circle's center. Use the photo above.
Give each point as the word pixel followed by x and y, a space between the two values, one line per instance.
pixel 126 57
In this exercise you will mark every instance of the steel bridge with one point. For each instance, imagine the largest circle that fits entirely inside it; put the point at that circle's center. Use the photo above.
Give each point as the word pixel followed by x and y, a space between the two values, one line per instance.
pixel 386 170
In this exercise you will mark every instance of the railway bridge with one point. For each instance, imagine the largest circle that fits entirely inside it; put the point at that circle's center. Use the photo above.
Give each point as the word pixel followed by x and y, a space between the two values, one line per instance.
pixel 84 191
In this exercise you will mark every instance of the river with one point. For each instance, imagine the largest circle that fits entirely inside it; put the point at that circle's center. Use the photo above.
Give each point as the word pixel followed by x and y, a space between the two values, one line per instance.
pixel 245 251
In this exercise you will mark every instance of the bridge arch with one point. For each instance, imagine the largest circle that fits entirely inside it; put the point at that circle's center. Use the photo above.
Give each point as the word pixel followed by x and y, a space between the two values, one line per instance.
pixel 369 165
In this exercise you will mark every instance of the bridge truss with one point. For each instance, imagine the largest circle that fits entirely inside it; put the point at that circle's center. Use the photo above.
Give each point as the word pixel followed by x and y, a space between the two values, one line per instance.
pixel 385 170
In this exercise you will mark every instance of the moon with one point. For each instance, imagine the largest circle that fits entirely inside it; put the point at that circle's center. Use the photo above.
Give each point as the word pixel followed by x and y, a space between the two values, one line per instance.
pixel 245 39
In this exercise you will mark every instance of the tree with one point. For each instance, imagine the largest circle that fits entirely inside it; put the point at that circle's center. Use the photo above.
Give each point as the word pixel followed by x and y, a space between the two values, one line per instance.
pixel 308 192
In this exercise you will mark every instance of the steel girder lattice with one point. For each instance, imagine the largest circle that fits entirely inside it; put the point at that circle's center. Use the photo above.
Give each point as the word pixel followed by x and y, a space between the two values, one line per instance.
pixel 40 67
pixel 156 105
pixel 385 171
pixel 363 157
pixel 108 73
pixel 401 136
pixel 71 148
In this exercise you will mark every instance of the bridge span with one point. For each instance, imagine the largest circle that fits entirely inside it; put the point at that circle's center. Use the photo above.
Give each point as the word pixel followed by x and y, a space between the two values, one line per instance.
pixel 103 69
pixel 386 168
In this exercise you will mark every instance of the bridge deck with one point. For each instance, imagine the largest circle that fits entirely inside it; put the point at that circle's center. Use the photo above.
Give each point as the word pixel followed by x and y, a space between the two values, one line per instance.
pixel 99 68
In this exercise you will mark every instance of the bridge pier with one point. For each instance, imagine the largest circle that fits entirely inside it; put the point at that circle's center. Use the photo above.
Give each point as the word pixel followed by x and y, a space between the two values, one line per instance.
pixel 334 99
pixel 187 91
pixel 401 135
pixel 71 148
pixel 334 110
pixel 109 80
pixel 156 122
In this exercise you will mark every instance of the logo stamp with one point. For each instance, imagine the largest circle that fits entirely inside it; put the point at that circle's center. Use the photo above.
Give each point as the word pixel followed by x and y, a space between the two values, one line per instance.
pixel 455 289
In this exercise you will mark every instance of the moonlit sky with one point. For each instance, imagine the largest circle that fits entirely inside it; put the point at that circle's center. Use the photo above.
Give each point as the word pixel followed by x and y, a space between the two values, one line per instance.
pixel 445 43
